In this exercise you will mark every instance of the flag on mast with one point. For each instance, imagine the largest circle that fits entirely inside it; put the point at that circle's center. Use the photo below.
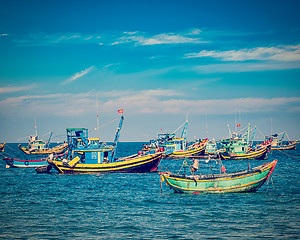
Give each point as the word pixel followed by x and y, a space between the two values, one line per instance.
pixel 120 110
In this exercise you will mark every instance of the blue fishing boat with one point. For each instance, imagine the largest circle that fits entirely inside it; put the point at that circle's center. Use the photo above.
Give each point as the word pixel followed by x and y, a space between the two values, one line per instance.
pixel 86 155
pixel 179 148
pixel 277 142
pixel 18 163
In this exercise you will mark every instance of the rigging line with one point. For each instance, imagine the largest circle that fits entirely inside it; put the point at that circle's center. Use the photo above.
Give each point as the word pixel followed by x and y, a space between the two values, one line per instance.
pixel 286 153
pixel 260 132
pixel 22 138
pixel 286 177
pixel 242 130
pixel 179 127
pixel 288 136
pixel 46 134
pixel 104 124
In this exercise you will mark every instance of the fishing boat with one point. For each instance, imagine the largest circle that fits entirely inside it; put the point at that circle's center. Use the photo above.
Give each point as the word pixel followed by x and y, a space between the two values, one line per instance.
pixel 2 147
pixel 39 147
pixel 249 180
pixel 289 146
pixel 211 147
pixel 278 143
pixel 16 163
pixel 86 156
pixel 178 147
pixel 239 146
pixel 157 143
pixel 255 154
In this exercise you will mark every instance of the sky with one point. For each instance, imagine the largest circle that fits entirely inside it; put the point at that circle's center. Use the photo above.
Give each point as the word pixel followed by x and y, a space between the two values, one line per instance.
pixel 216 63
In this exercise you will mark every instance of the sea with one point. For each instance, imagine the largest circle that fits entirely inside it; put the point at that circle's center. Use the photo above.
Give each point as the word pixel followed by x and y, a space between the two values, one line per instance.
pixel 137 206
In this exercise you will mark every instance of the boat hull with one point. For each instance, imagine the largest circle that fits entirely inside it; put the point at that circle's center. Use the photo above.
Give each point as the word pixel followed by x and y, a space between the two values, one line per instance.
pixel 139 164
pixel 188 153
pixel 247 181
pixel 260 154
pixel 285 147
pixel 16 163
pixel 57 150
pixel 2 147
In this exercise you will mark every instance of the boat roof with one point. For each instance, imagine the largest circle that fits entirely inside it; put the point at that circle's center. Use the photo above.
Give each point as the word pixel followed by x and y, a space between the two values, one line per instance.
pixel 76 129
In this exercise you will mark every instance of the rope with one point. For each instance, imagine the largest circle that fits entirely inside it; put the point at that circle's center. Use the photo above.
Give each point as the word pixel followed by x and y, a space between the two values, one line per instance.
pixel 260 132
pixel 287 178
pixel 286 153
pixel 179 127
pixel 104 125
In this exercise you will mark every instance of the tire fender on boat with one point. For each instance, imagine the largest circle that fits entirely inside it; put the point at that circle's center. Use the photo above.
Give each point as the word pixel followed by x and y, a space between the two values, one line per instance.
pixel 26 163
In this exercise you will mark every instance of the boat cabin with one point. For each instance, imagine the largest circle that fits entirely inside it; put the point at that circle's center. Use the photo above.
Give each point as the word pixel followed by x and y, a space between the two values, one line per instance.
pixel 90 151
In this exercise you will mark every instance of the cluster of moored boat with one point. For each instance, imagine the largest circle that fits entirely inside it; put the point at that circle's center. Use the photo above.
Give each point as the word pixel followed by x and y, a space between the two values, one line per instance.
pixel 81 154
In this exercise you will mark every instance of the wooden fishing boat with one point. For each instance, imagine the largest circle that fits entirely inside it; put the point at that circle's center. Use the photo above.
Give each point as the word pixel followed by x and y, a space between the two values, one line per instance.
pixel 136 164
pixel 244 181
pixel 289 146
pixel 2 147
pixel 39 150
pixel 193 151
pixel 257 154
pixel 277 142
pixel 211 147
pixel 91 156
pixel 16 163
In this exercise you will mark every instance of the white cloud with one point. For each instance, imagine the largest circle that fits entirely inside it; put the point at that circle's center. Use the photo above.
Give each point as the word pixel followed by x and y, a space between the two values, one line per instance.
pixel 78 75
pixel 165 38
pixel 15 89
pixel 245 67
pixel 279 53
pixel 161 103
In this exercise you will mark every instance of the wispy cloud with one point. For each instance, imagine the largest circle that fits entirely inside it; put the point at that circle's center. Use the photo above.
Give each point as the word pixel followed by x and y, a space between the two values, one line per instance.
pixel 11 89
pixel 45 39
pixel 279 53
pixel 78 75
pixel 245 67
pixel 140 38
pixel 152 101
pixel 111 38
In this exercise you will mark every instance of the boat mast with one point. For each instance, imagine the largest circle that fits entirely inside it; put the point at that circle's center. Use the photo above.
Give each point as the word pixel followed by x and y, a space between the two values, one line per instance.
pixel 184 132
pixel 248 134
pixel 98 135
pixel 117 138
pixel 35 126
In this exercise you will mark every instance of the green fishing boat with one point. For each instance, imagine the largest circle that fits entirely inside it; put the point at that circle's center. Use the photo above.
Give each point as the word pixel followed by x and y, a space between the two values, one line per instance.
pixel 249 180
pixel 239 147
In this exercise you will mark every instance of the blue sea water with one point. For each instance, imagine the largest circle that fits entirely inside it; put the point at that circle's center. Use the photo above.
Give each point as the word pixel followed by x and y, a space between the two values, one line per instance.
pixel 131 206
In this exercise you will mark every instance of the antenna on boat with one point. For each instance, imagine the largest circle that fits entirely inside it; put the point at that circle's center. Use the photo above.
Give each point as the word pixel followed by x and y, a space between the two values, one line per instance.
pixel 229 132
pixel 206 125
pixel 35 126
pixel 97 117
pixel 271 127
pixel 235 121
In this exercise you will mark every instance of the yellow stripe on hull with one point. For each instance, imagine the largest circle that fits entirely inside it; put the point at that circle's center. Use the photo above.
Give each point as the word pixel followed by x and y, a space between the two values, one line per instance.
pixel 187 153
pixel 121 166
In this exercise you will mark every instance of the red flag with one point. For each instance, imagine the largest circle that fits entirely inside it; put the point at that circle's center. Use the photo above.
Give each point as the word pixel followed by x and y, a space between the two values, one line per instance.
pixel 238 125
pixel 120 110
pixel 223 169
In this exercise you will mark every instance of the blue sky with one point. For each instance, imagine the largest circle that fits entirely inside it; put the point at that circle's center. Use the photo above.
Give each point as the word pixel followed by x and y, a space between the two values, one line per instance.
pixel 220 62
